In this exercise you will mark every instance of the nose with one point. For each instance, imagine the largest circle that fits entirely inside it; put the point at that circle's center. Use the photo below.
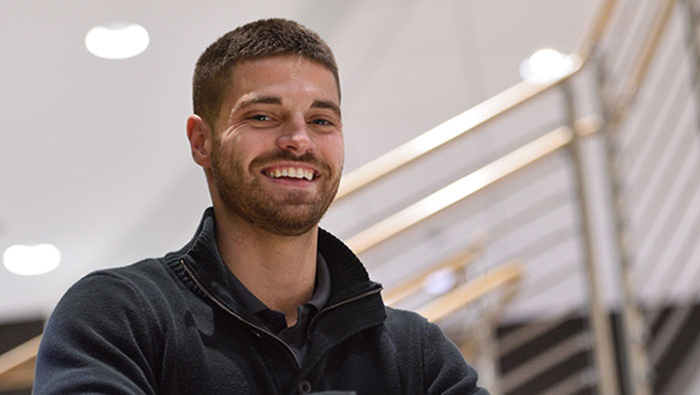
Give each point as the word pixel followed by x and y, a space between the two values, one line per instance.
pixel 295 136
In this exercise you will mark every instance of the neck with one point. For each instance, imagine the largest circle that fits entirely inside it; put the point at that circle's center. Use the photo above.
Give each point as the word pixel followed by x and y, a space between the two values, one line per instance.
pixel 278 270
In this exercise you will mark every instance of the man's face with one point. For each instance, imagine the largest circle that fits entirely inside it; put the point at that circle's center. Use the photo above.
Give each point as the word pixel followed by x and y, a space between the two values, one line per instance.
pixel 277 152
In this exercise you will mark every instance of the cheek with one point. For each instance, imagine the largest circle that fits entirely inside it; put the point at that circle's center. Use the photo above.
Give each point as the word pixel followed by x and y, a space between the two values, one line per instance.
pixel 238 148
pixel 334 151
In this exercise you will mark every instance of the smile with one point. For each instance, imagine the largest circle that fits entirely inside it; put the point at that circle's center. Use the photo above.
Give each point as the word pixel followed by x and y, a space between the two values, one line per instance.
pixel 290 172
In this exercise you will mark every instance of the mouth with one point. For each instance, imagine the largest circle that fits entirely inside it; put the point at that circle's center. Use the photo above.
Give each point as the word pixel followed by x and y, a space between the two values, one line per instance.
pixel 291 173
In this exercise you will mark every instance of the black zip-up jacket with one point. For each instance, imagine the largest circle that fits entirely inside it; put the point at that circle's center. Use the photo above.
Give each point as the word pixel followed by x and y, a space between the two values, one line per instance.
pixel 170 326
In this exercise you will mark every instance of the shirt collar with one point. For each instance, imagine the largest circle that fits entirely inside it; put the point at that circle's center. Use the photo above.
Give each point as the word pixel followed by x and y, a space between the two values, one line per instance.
pixel 321 294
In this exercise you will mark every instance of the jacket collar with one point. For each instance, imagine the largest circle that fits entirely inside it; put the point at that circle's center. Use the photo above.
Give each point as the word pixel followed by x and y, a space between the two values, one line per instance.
pixel 348 276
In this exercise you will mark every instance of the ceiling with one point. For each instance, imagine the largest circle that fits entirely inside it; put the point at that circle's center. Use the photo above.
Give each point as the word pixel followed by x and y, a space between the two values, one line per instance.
pixel 94 157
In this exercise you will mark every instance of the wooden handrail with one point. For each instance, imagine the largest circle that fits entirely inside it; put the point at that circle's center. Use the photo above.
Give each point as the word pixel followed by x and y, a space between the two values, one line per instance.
pixel 508 273
pixel 453 263
pixel 17 365
pixel 472 118
pixel 460 189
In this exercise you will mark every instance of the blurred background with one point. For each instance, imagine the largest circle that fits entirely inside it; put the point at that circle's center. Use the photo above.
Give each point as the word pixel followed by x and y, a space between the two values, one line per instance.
pixel 526 174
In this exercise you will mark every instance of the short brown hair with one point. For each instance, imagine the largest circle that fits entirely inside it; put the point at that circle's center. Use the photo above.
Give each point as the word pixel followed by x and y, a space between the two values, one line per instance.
pixel 255 40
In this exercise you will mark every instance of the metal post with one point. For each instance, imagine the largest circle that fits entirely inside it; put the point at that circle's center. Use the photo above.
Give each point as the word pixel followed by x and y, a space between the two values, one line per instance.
pixel 602 335
pixel 485 357
pixel 632 332
pixel 692 15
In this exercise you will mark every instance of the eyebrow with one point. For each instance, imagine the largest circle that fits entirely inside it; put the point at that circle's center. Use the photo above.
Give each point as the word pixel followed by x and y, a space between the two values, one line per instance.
pixel 261 100
pixel 325 104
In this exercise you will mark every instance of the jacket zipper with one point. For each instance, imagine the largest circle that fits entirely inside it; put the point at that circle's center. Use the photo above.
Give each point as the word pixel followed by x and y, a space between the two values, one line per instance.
pixel 232 313
pixel 263 330
pixel 343 302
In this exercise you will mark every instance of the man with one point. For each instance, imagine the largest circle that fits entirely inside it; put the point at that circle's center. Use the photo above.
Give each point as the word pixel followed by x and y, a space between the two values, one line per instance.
pixel 261 300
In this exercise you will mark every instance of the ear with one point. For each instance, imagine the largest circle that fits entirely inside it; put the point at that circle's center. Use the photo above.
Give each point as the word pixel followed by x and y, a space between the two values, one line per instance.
pixel 200 136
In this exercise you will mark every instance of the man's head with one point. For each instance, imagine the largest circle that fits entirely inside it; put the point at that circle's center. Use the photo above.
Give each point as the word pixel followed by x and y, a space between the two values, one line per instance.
pixel 272 146
pixel 255 40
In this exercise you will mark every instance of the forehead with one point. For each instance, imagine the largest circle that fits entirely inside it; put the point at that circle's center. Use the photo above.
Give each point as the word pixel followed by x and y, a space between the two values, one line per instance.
pixel 286 75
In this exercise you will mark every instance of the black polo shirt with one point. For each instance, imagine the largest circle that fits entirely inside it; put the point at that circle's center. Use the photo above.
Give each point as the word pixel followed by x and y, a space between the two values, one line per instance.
pixel 274 321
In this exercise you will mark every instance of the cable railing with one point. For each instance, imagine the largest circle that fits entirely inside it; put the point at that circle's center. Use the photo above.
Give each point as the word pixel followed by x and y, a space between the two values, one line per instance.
pixel 418 212
pixel 479 346
pixel 547 360
pixel 517 338
pixel 461 189
pixel 507 274
pixel 632 144
pixel 506 166
pixel 474 117
pixel 574 384
pixel 634 80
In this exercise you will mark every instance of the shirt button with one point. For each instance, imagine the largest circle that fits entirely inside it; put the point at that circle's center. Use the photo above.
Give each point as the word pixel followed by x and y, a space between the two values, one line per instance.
pixel 304 387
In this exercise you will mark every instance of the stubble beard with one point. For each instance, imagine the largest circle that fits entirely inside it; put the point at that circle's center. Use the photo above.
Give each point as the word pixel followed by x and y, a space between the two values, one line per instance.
pixel 241 192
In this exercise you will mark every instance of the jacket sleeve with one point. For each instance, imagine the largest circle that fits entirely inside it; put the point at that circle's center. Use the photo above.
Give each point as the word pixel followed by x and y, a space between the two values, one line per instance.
pixel 100 338
pixel 444 368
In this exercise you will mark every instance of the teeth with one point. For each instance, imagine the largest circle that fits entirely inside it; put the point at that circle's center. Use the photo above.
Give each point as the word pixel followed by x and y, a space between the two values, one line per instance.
pixel 291 172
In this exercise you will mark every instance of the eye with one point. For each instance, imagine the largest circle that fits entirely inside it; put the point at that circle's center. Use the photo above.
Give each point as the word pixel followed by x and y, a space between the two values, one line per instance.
pixel 260 118
pixel 321 122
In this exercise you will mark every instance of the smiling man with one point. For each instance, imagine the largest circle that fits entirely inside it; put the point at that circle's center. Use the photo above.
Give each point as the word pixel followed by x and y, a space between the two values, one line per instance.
pixel 262 300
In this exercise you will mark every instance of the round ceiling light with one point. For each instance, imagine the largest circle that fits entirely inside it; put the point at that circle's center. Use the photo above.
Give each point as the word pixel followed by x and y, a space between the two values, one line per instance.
pixel 545 66
pixel 117 40
pixel 31 260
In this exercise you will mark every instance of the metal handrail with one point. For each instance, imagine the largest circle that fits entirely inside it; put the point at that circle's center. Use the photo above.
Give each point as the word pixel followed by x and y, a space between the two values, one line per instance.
pixel 414 284
pixel 461 189
pixel 474 117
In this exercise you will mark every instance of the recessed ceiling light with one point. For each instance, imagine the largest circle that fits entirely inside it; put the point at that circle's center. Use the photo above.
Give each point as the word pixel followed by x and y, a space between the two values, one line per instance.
pixel 31 260
pixel 546 65
pixel 117 40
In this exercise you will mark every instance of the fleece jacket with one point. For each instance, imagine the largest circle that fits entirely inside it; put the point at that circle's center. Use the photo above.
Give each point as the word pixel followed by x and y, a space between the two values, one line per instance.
pixel 171 326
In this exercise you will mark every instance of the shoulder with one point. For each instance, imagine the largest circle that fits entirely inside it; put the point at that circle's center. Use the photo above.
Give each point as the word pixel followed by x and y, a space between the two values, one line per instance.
pixel 111 305
pixel 439 361
pixel 405 322
pixel 145 276
pixel 105 331
pixel 406 331
pixel 396 316
pixel 130 278
pixel 136 288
